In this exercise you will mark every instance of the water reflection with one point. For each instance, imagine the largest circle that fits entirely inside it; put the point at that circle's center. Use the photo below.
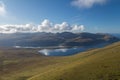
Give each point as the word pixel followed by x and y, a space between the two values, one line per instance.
pixel 61 52
pixel 50 51
pixel 68 51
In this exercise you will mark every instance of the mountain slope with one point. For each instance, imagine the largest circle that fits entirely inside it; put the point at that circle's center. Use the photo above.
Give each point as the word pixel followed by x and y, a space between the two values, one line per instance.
pixel 99 64
pixel 27 64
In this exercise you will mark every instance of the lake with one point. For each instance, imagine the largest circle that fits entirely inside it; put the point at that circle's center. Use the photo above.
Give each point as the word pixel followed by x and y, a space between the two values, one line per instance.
pixel 68 51
pixel 61 52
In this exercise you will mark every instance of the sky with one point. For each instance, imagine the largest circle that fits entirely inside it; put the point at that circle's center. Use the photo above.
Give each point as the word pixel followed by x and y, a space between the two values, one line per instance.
pixel 96 16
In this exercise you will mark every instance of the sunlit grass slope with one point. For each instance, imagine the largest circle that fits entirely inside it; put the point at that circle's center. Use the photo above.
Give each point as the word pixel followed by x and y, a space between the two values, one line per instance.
pixel 96 64
pixel 99 64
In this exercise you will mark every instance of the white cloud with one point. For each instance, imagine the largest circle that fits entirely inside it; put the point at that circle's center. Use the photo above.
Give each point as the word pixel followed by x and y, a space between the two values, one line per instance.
pixel 76 28
pixel 45 26
pixel 2 9
pixel 62 27
pixel 87 3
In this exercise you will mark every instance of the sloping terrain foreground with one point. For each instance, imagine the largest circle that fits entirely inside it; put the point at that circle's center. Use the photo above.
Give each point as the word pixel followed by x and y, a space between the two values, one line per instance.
pixel 100 64
pixel 96 64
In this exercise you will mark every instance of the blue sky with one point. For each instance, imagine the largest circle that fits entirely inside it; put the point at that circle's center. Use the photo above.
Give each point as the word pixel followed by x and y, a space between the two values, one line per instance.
pixel 95 15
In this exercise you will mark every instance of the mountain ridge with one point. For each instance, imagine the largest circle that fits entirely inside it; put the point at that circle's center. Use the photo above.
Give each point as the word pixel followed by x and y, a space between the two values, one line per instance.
pixel 55 39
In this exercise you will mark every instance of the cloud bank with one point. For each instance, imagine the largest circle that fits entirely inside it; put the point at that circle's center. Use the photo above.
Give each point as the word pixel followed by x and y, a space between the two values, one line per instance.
pixel 87 3
pixel 45 26
pixel 2 9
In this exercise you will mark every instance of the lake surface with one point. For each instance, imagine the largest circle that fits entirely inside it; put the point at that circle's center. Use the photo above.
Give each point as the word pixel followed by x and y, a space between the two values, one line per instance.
pixel 61 51
pixel 68 51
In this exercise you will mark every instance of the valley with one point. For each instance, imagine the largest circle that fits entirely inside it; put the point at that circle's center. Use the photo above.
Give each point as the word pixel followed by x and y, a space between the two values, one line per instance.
pixel 59 39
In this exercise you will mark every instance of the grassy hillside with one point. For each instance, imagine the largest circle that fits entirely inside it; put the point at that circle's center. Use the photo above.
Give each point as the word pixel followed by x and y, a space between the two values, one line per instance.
pixel 97 64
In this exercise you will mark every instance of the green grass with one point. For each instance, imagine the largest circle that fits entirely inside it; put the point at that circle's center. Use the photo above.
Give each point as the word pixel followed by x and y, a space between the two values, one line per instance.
pixel 97 64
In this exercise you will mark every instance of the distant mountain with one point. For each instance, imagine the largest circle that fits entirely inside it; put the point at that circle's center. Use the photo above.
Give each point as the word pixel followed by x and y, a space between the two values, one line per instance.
pixel 116 35
pixel 55 39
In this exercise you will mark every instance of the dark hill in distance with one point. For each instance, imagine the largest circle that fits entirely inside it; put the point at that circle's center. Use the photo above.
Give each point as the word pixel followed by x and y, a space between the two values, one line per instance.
pixel 116 34
pixel 66 39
